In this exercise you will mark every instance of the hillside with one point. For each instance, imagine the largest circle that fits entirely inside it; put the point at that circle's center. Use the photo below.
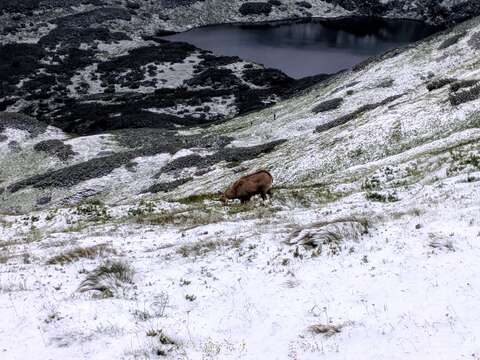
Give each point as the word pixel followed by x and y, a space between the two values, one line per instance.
pixel 27 18
pixel 114 244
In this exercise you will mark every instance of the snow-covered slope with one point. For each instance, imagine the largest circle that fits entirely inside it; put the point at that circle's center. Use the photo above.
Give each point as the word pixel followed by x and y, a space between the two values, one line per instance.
pixel 367 250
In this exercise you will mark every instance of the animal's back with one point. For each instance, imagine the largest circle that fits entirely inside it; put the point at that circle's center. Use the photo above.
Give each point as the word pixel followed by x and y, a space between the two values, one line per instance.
pixel 260 172
pixel 259 181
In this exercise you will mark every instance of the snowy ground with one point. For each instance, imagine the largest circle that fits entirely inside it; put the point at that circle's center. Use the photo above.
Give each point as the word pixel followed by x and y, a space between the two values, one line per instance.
pixel 229 283
pixel 372 237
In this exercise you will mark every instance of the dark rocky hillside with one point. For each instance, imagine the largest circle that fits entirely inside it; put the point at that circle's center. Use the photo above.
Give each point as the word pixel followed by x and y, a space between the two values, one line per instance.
pixel 85 75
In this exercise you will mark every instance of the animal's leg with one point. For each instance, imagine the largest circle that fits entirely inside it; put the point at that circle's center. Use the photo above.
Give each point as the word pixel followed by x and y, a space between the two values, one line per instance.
pixel 263 195
pixel 246 199
pixel 269 192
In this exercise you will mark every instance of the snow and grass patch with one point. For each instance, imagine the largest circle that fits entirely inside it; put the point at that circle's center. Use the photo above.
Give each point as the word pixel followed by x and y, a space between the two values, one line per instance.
pixel 330 237
pixel 87 252
pixel 202 248
pixel 109 279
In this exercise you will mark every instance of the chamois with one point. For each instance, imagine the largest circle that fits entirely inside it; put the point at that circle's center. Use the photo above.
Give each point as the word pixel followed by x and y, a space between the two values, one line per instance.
pixel 260 182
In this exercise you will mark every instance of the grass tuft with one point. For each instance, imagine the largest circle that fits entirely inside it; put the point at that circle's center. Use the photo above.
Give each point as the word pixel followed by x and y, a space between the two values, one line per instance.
pixel 108 278
pixel 327 330
pixel 330 235
pixel 197 198
pixel 94 210
pixel 201 248
pixel 78 253
pixel 465 96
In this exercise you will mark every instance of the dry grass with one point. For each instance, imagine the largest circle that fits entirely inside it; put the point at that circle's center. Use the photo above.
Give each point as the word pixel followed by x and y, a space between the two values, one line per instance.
pixel 330 235
pixel 186 219
pixel 108 278
pixel 156 309
pixel 327 330
pixel 440 242
pixel 162 337
pixel 5 255
pixel 202 248
pixel 79 253
pixel 18 284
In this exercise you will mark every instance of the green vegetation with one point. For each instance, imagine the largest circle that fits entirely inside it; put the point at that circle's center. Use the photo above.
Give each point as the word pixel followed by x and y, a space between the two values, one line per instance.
pixel 462 160
pixel 144 208
pixel 94 210
pixel 197 198
pixel 380 197
pixel 51 214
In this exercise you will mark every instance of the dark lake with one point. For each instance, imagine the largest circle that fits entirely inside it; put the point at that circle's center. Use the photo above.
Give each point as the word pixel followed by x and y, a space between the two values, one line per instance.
pixel 308 48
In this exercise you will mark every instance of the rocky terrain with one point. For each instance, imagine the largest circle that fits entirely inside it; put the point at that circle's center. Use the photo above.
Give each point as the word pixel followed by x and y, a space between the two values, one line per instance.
pixel 21 18
pixel 113 243
pixel 100 65
pixel 85 79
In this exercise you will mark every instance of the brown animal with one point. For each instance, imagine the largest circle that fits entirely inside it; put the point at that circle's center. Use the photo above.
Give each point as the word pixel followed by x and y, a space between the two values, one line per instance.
pixel 246 187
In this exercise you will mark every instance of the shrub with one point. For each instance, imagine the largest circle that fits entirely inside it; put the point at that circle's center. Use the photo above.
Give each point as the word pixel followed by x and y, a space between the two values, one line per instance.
pixel 371 183
pixel 386 83
pixel 457 85
pixel 463 160
pixel 465 96
pixel 439 83
pixel 380 197
pixel 348 117
pixel 167 186
pixel 255 8
pixel 144 208
pixel 328 105
pixel 94 210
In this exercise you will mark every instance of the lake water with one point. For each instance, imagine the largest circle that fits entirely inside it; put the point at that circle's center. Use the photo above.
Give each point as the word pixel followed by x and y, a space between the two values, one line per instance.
pixel 307 48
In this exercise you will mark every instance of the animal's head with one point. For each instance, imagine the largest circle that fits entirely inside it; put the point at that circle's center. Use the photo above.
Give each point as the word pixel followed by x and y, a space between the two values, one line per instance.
pixel 225 196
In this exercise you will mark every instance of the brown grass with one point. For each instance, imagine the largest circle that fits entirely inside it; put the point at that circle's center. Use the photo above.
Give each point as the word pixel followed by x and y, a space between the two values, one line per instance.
pixel 79 253
pixel 327 330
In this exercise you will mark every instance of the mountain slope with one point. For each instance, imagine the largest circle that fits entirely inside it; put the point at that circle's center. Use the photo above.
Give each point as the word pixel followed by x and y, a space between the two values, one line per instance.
pixel 371 236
